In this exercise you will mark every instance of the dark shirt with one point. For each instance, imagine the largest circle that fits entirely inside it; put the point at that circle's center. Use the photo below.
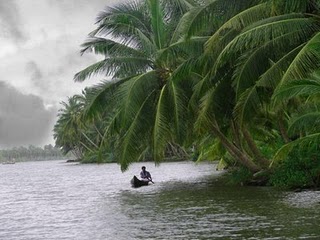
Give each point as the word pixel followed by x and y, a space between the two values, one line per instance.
pixel 145 175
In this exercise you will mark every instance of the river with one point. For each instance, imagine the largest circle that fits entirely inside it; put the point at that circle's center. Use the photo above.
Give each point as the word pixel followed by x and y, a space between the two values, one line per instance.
pixel 57 200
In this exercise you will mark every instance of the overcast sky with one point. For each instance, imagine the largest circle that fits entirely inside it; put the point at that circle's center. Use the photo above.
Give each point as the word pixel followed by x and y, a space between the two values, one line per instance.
pixel 39 55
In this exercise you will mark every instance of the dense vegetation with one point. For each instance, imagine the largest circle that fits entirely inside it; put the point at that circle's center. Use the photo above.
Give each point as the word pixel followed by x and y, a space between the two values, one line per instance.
pixel 31 153
pixel 235 81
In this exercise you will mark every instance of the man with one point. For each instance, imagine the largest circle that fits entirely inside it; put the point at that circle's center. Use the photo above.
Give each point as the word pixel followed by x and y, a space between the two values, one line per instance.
pixel 145 175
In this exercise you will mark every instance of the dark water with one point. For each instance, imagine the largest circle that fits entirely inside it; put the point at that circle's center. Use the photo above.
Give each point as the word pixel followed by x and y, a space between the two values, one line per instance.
pixel 55 200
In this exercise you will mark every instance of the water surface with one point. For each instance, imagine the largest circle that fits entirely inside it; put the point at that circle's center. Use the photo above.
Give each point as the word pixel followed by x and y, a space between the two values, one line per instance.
pixel 56 200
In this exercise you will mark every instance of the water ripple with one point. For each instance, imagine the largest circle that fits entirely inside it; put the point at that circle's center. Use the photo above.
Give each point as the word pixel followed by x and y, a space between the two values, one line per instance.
pixel 54 200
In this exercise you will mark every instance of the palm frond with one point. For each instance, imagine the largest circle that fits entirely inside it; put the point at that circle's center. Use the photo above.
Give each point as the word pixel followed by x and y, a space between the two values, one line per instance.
pixel 216 104
pixel 214 12
pixel 307 122
pixel 307 60
pixel 157 23
pixel 296 88
pixel 268 31
pixel 272 77
pixel 178 104
pixel 247 76
pixel 247 104
pixel 111 129
pixel 127 24
pixel 181 51
pixel 133 142
pixel 107 47
pixel 133 92
pixel 282 7
pixel 161 131
pixel 187 70
pixel 249 68
pixel 236 24
pixel 99 96
pixel 124 14
pixel 205 115
pixel 116 66
pixel 180 8
pixel 306 141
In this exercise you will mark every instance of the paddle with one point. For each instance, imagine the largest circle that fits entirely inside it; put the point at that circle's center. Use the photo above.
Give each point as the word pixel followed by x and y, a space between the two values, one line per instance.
pixel 150 180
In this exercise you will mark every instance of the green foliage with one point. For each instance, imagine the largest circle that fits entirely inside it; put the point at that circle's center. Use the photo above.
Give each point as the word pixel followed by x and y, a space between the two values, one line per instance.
pixel 146 55
pixel 240 175
pixel 269 148
pixel 195 73
pixel 96 157
pixel 301 169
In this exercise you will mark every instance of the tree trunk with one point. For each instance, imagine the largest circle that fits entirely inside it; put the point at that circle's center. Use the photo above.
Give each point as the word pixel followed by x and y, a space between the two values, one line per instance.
pixel 254 149
pixel 236 133
pixel 77 152
pixel 282 129
pixel 234 151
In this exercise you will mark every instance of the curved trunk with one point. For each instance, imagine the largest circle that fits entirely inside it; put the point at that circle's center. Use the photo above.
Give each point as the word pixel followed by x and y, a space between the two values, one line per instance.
pixel 77 152
pixel 234 151
pixel 236 134
pixel 282 129
pixel 254 149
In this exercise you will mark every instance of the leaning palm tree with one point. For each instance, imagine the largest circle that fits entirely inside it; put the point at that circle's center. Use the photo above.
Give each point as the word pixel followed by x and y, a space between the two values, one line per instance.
pixel 273 42
pixel 152 69
pixel 262 47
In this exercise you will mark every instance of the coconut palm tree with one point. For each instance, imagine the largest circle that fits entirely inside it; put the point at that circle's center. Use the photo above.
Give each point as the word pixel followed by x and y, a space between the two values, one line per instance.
pixel 262 47
pixel 153 70
pixel 80 131
pixel 67 128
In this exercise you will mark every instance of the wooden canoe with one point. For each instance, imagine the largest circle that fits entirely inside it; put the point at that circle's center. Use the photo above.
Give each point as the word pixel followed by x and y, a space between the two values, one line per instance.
pixel 135 182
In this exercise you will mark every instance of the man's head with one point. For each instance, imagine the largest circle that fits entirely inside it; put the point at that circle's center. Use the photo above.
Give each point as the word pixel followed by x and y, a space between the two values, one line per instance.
pixel 143 168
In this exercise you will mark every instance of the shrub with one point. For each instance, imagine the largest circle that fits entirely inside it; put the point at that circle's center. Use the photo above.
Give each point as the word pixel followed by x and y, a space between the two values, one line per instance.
pixel 300 170
pixel 240 175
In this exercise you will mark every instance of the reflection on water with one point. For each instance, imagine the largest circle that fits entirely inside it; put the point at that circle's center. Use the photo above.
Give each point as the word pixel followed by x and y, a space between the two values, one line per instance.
pixel 54 200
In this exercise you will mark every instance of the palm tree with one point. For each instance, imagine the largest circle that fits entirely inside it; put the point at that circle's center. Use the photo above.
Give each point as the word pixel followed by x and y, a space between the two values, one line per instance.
pixel 78 130
pixel 153 70
pixel 259 48
pixel 69 128
pixel 66 128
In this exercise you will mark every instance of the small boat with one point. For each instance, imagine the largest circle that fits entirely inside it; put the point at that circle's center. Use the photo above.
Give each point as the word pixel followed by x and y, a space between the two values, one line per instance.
pixel 135 182
pixel 9 162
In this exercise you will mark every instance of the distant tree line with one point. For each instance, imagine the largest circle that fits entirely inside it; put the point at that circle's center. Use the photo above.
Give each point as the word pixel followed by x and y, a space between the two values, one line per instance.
pixel 32 153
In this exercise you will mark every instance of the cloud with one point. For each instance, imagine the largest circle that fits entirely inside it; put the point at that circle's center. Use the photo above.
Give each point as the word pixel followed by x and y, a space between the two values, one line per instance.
pixel 39 55
pixel 45 63
pixel 24 119
pixel 10 21
pixel 36 76
pixel 49 72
